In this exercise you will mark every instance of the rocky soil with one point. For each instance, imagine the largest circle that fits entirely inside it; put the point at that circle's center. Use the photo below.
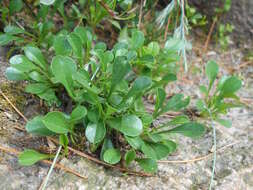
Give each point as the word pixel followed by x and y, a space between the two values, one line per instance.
pixel 234 168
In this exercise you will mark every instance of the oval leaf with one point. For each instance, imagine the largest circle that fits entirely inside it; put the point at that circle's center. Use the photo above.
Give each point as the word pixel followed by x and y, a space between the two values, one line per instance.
pixel 95 132
pixel 30 157
pixel 34 54
pixel 131 125
pixel 56 122
pixel 191 129
pixel 37 127
pixel 147 164
pixel 112 156
pixel 130 156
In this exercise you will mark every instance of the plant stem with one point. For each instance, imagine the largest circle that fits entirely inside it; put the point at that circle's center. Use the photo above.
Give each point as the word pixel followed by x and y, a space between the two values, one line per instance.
pixel 214 145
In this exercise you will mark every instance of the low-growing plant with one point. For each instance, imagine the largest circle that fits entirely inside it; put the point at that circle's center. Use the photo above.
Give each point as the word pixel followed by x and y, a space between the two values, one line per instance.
pixel 217 101
pixel 106 88
pixel 108 93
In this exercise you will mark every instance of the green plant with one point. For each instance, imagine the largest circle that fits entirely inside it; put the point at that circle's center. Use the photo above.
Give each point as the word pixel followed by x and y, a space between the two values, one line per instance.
pixel 108 93
pixel 224 32
pixel 194 18
pixel 219 100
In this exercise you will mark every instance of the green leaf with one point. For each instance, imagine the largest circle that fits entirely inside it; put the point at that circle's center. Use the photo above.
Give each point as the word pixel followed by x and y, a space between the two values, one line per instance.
pixel 63 140
pixel 37 127
pixel 191 129
pixel 120 68
pixel 231 85
pixel 172 146
pixel 78 113
pixel 6 39
pixel 30 157
pixel 130 156
pixel 174 44
pixel 49 96
pixel 74 41
pixel 12 30
pixel 23 64
pixel 47 2
pixel 137 39
pixel 135 142
pixel 200 105
pixel 95 132
pixel 61 45
pixel 147 164
pixel 176 103
pixel 107 144
pixel 139 86
pixel 15 6
pixel 203 89
pixel 14 74
pixel 131 125
pixel 224 122
pixel 63 69
pixel 80 78
pixel 181 119
pixel 36 88
pixel 153 48
pixel 160 97
pixel 155 151
pixel 34 54
pixel 36 76
pixel 212 70
pixel 112 156
pixel 85 35
pixel 57 122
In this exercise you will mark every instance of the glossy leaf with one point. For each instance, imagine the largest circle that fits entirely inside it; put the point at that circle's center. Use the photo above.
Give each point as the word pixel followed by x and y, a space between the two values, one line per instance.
pixel 56 122
pixel 76 45
pixel 63 69
pixel 34 54
pixel 212 70
pixel 147 164
pixel 176 103
pixel 135 142
pixel 14 74
pixel 47 2
pixel 95 132
pixel 107 144
pixel 139 86
pixel 6 39
pixel 61 45
pixel 191 129
pixel 130 156
pixel 23 64
pixel 112 156
pixel 231 85
pixel 131 126
pixel 137 39
pixel 12 30
pixel 36 88
pixel 78 113
pixel 30 157
pixel 37 127
pixel 120 68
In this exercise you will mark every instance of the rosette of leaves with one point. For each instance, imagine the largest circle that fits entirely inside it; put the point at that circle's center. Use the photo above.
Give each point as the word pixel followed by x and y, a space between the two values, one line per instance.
pixel 218 99
pixel 107 88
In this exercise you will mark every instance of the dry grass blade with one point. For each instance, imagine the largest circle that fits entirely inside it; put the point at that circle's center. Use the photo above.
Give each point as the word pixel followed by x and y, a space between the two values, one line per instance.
pixel 59 166
pixel 198 158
